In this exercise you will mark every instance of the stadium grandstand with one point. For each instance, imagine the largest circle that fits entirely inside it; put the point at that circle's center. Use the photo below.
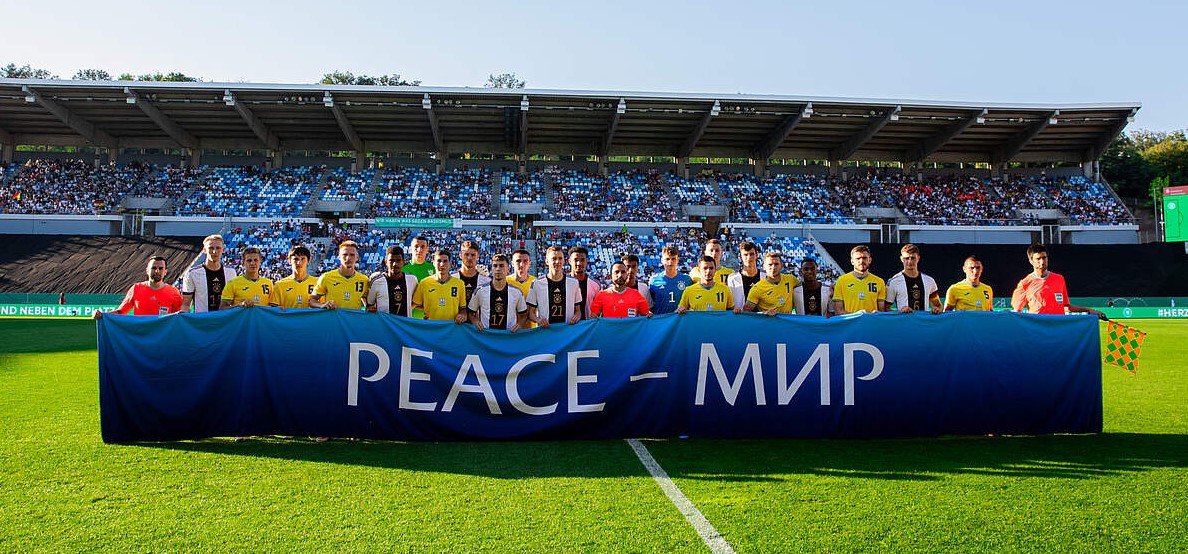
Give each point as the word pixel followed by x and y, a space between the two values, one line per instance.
pixel 275 165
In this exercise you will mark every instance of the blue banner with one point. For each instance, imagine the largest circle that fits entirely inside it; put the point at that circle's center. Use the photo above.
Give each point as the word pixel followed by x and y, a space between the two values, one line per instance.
pixel 341 373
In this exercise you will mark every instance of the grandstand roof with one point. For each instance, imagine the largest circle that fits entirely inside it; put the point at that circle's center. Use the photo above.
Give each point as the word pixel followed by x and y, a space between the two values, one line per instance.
pixel 216 116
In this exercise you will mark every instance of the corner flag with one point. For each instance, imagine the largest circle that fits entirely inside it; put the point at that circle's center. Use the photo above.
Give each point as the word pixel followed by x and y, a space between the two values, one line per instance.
pixel 1122 348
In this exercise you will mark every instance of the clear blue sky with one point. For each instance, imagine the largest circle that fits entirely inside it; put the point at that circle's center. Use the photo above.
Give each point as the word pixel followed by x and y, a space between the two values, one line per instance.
pixel 1005 51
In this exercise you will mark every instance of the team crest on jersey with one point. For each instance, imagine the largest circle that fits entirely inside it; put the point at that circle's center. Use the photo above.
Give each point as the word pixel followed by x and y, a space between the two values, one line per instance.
pixel 557 298
pixel 681 285
pixel 441 302
pixel 1059 298
pixel 346 296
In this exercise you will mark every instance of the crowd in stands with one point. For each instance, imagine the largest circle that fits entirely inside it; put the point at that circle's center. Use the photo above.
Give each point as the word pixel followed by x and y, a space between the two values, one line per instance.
pixel 620 196
pixel 248 191
pixel 523 189
pixel 171 182
pixel 785 199
pixel 342 185
pixel 697 192
pixel 415 192
pixel 949 200
pixel 1086 202
pixel 44 186
pixel 59 186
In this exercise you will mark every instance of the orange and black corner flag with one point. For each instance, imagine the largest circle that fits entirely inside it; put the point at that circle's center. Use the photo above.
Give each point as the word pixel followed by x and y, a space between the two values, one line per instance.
pixel 1122 345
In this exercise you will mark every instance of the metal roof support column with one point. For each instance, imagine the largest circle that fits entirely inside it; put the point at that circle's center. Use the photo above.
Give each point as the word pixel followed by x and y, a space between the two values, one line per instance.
pixel 276 159
pixel 602 164
pixel 691 141
pixel 195 155
pixel 760 167
pixel 7 146
pixel 848 148
pixel 682 167
pixel 1011 149
pixel 79 125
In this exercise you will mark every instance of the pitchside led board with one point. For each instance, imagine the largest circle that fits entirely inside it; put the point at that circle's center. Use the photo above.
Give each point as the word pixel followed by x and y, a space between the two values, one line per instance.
pixel 1175 211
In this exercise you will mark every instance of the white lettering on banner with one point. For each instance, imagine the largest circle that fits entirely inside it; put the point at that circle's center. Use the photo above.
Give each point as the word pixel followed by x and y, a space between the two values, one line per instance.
pixel 407 376
pixel 1173 312
pixel 513 386
pixel 752 363
pixel 575 379
pixel 472 362
pixel 353 369
pixel 819 358
pixel 876 356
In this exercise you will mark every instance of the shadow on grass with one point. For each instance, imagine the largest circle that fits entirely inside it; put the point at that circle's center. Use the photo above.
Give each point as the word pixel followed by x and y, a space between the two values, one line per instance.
pixel 1050 456
pixel 1057 457
pixel 499 460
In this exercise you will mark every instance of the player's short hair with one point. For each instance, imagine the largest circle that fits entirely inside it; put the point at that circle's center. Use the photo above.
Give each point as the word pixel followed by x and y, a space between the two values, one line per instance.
pixel 972 258
pixel 713 241
pixel 709 259
pixel 394 249
pixel 747 247
pixel 774 254
pixel 808 261
pixel 1036 248
pixel 910 248
pixel 468 245
pixel 579 250
pixel 861 248
pixel 556 249
pixel 153 259
pixel 212 238
pixel 521 251
pixel 299 250
pixel 416 238
pixel 500 258
pixel 252 250
pixel 670 251
pixel 441 252
pixel 348 244
pixel 620 262
pixel 630 258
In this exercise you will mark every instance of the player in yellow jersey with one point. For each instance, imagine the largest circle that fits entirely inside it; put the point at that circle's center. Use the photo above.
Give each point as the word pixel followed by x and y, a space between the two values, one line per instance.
pixel 343 287
pixel 520 278
pixel 713 248
pixel 295 290
pixel 970 293
pixel 859 290
pixel 249 289
pixel 775 293
pixel 441 295
pixel 708 294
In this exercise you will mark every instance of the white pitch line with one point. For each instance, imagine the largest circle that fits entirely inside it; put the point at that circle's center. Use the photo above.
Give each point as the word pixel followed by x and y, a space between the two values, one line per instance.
pixel 710 536
pixel 657 375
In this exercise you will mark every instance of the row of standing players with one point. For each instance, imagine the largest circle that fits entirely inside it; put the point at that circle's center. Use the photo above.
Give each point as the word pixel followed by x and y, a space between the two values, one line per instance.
pixel 508 297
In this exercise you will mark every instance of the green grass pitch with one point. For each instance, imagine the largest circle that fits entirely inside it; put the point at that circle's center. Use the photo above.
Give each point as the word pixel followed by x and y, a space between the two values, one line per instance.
pixel 63 490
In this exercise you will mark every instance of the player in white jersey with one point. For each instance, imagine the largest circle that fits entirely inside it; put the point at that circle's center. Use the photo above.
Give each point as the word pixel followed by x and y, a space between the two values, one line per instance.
pixel 498 305
pixel 202 286
pixel 910 290
pixel 391 291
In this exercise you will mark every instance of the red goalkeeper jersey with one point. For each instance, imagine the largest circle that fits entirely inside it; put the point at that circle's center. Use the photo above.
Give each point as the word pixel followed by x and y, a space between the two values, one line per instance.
pixel 145 300
pixel 629 303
